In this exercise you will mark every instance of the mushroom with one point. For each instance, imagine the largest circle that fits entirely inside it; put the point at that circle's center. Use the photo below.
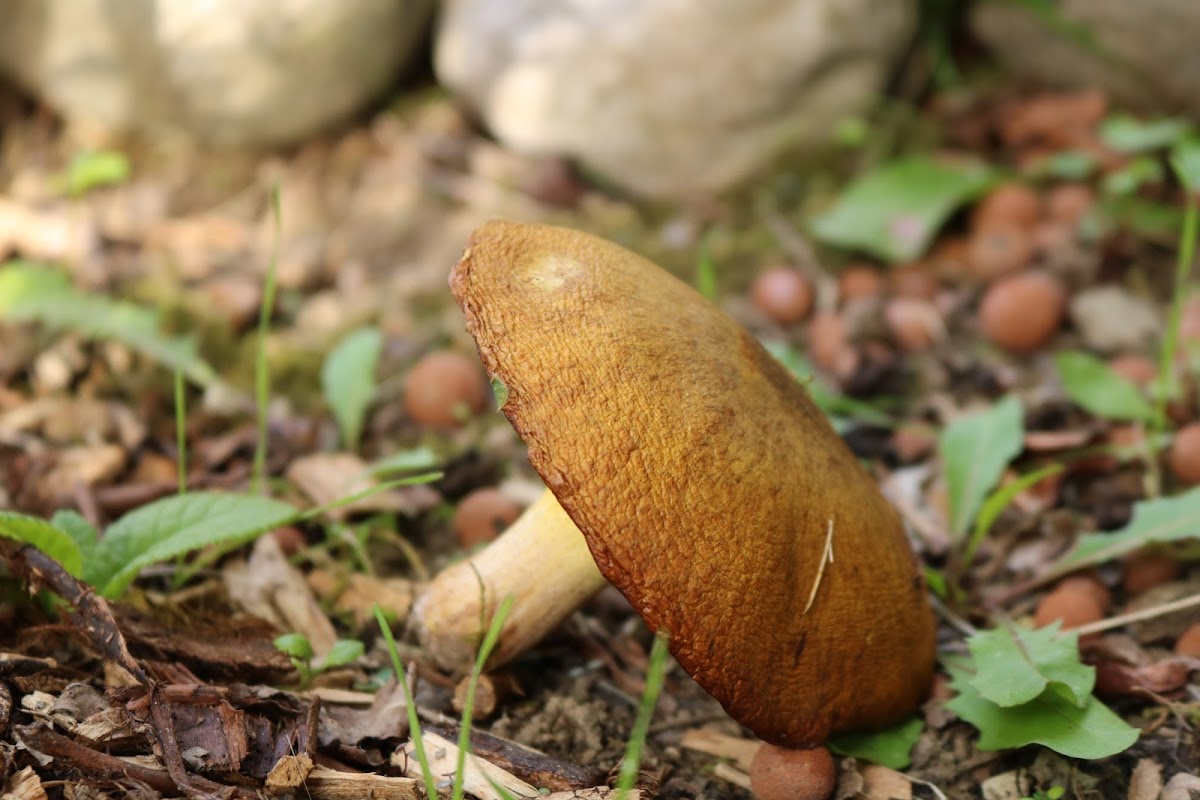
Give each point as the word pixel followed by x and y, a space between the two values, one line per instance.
pixel 687 467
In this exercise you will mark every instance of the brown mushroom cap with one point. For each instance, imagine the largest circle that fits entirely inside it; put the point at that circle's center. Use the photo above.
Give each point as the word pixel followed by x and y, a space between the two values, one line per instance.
pixel 709 487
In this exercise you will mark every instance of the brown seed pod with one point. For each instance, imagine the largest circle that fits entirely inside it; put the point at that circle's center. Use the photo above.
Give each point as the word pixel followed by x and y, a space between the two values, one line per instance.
pixel 1022 312
pixel 782 294
pixel 1184 457
pixel 482 515
pixel 443 388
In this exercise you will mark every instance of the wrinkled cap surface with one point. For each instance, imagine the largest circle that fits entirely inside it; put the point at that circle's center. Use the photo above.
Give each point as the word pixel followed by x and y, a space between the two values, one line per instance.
pixel 707 484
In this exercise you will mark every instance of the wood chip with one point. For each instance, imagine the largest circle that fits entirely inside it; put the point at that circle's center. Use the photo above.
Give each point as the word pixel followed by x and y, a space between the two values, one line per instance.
pixel 478 774
pixel 706 740
pixel 297 776
pixel 881 783
pixel 1146 782
pixel 23 785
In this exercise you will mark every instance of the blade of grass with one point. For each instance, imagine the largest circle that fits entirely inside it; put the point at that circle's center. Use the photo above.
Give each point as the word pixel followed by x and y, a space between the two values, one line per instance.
pixel 637 737
pixel 262 378
pixel 410 706
pixel 464 728
pixel 181 431
pixel 1183 271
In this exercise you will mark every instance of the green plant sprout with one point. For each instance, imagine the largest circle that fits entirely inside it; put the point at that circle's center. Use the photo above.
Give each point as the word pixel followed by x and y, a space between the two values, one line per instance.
pixel 348 381
pixel 464 733
pixel 464 728
pixel 93 169
pixel 632 761
pixel 262 375
pixel 1053 793
pixel 410 705
pixel 298 648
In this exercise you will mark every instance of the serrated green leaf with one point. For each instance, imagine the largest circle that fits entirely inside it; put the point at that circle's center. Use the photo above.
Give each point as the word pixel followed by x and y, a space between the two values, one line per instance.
pixel 51 540
pixel 172 526
pixel 348 380
pixel 895 210
pixel 31 293
pixel 1160 521
pixel 1051 719
pixel 975 449
pixel 1093 386
pixel 1016 665
pixel 1185 161
pixel 1126 134
pixel 890 747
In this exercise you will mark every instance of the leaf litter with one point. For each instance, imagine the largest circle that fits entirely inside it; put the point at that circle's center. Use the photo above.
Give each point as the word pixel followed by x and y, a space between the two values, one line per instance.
pixel 182 688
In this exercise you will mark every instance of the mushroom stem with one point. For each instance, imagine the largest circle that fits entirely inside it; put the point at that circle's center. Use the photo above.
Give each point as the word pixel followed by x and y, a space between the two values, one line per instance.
pixel 542 560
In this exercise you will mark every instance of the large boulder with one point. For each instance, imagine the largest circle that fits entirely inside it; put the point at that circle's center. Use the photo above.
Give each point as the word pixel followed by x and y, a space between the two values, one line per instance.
pixel 671 97
pixel 1143 53
pixel 226 72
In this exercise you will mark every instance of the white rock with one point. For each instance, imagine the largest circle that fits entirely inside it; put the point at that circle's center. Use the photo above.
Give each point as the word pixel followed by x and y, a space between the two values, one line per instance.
pixel 227 72
pixel 670 97
pixel 1144 54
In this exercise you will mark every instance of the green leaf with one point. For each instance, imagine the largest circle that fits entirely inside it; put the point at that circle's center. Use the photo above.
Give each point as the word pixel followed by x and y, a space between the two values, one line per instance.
pixel 172 526
pixel 975 450
pixel 53 541
pixel 82 532
pixel 295 645
pixel 344 651
pixel 998 500
pixel 1016 665
pixel 889 747
pixel 416 458
pixel 31 293
pixel 706 274
pixel 1069 165
pixel 94 169
pixel 1052 719
pixel 348 380
pixel 1093 386
pixel 834 405
pixel 500 392
pixel 1185 161
pixel 894 211
pixel 1126 134
pixel 1160 521
pixel 1127 180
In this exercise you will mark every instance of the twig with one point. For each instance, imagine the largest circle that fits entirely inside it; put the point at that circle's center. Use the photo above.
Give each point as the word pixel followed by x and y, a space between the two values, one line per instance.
pixel 957 622
pixel 826 558
pixel 1138 616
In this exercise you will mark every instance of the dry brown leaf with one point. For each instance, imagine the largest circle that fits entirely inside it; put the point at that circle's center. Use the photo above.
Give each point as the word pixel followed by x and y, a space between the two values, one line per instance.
pixel 881 783
pixel 358 593
pixel 329 477
pixel 269 587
